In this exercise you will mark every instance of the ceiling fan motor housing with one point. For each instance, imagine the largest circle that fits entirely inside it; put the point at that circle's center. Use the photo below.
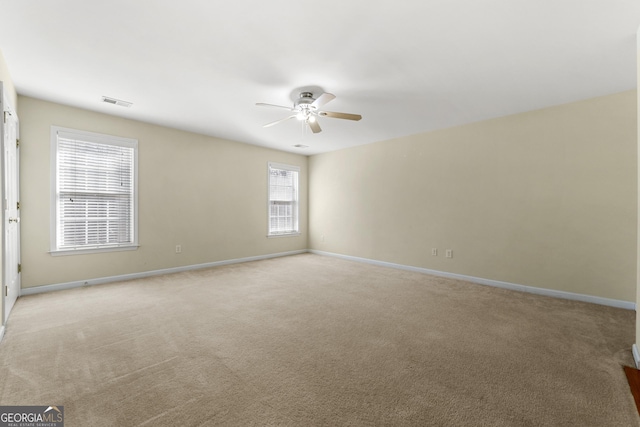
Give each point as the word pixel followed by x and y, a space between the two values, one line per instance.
pixel 305 100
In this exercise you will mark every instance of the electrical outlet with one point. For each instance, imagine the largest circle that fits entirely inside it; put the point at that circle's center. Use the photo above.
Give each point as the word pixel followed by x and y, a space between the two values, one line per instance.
pixel 178 249
pixel 434 251
pixel 449 253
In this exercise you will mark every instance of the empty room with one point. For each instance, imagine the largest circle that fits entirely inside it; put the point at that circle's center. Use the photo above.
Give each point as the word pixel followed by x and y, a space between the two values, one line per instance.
pixel 319 214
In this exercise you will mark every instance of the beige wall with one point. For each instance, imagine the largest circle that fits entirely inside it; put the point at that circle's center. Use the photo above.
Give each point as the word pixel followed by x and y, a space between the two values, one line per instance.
pixel 206 194
pixel 5 78
pixel 546 198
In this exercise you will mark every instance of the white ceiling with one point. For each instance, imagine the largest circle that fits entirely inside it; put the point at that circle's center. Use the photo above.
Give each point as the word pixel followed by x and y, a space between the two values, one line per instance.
pixel 406 66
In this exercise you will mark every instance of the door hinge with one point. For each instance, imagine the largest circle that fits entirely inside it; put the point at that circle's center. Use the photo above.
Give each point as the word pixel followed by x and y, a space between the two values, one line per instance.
pixel 17 143
pixel 6 291
pixel 18 205
pixel 4 116
pixel 19 268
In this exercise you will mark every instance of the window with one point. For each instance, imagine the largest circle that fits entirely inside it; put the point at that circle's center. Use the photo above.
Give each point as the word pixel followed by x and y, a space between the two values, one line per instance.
pixel 283 199
pixel 93 192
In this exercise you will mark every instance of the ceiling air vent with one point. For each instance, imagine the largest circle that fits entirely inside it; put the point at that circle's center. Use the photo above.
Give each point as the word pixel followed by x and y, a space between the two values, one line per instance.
pixel 116 101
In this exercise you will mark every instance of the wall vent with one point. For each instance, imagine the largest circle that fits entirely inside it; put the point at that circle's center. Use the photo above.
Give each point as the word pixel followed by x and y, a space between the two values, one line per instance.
pixel 114 101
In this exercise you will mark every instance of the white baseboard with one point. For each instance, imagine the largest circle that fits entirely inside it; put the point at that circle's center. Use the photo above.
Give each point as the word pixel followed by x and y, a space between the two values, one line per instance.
pixel 505 285
pixel 1 333
pixel 498 284
pixel 120 278
pixel 636 355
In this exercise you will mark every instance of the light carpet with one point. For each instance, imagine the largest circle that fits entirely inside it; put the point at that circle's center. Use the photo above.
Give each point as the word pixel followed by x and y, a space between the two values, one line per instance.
pixel 309 340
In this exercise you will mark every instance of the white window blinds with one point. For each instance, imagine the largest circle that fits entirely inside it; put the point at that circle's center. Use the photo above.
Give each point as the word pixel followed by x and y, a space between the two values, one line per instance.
pixel 95 191
pixel 283 199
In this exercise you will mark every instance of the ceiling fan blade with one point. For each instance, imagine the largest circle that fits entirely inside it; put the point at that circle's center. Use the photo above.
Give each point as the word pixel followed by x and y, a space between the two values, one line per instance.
pixel 279 121
pixel 323 99
pixel 315 127
pixel 262 104
pixel 345 116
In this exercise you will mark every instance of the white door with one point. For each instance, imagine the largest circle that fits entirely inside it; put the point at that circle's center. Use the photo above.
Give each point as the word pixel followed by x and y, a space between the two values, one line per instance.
pixel 11 249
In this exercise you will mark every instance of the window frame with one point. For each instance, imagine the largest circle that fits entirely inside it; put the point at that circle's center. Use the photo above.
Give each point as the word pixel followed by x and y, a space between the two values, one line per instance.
pixel 296 203
pixel 99 138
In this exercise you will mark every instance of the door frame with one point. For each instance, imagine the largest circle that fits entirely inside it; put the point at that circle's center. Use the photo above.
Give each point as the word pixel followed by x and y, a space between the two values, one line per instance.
pixel 6 106
pixel 2 219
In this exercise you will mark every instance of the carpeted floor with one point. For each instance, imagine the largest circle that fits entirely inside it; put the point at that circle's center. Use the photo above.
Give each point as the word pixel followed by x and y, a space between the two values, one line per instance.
pixel 309 340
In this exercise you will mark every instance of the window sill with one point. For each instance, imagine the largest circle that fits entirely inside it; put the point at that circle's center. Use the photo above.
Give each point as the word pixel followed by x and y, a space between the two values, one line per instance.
pixel 297 233
pixel 93 250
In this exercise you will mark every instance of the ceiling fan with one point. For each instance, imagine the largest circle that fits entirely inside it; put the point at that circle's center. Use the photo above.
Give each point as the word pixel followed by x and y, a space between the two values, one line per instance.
pixel 307 108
